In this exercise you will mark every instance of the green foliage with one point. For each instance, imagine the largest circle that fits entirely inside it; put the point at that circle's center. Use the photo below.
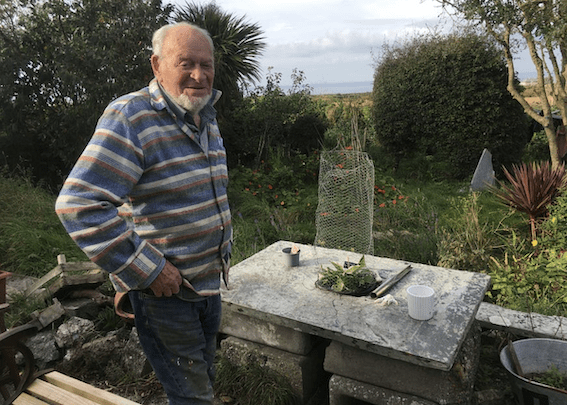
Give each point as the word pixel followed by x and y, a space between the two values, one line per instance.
pixel 537 150
pixel 536 25
pixel 277 201
pixel 108 320
pixel 407 230
pixel 21 309
pixel 532 276
pixel 349 119
pixel 351 280
pixel 62 62
pixel 467 243
pixel 553 230
pixel 446 97
pixel 532 282
pixel 252 384
pixel 268 119
pixel 31 235
pixel 552 377
pixel 533 187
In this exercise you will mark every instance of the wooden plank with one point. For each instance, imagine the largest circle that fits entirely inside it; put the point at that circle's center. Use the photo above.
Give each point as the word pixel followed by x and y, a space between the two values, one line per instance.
pixel 53 273
pixel 62 268
pixel 79 266
pixel 55 395
pixel 68 281
pixel 27 399
pixel 85 390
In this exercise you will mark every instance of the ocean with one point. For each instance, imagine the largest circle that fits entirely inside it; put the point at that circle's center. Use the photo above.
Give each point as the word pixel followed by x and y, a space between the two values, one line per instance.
pixel 338 88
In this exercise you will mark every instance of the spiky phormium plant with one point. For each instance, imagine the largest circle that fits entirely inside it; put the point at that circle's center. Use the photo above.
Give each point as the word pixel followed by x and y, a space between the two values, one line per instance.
pixel 532 188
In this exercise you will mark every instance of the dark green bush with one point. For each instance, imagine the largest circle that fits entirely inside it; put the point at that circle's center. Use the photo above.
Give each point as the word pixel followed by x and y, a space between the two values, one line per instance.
pixel 446 97
pixel 269 119
pixel 62 63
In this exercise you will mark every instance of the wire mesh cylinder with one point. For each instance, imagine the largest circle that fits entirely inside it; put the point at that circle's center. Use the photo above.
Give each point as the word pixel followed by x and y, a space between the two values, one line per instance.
pixel 346 201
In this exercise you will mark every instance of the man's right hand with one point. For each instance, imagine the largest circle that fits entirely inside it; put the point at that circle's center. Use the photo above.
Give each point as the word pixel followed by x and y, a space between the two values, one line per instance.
pixel 167 282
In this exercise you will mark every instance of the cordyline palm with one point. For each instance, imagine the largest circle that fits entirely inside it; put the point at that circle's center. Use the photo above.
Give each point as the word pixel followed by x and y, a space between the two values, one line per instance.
pixel 237 43
pixel 533 187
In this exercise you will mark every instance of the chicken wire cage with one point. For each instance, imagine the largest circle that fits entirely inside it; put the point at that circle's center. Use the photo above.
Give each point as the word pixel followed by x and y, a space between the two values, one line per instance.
pixel 345 208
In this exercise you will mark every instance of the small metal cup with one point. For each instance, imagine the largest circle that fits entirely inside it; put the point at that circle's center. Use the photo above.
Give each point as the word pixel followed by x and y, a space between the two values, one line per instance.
pixel 291 259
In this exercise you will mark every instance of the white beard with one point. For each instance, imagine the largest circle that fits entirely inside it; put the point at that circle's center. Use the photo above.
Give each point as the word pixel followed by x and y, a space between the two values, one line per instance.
pixel 193 106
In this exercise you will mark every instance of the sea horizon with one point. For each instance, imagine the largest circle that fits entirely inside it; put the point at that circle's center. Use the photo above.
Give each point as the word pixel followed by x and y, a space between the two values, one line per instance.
pixel 320 89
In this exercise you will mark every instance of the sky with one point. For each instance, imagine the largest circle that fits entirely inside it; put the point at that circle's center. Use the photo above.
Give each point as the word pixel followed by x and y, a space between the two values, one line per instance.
pixel 333 41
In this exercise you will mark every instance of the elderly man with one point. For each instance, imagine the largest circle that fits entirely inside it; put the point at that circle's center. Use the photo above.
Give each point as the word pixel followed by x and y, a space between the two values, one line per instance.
pixel 147 202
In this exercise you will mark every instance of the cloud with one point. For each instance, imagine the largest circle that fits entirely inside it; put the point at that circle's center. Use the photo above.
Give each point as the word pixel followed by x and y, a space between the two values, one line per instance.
pixel 331 40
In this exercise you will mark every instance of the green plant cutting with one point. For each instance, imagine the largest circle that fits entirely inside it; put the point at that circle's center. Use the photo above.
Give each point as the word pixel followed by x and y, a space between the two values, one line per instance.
pixel 552 377
pixel 350 280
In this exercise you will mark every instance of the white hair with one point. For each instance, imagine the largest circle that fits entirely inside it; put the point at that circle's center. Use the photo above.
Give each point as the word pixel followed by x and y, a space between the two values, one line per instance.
pixel 160 34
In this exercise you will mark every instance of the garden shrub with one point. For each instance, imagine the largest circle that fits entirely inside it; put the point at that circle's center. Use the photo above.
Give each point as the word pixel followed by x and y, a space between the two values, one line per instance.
pixel 468 243
pixel 537 149
pixel 446 97
pixel 276 201
pixel 62 63
pixel 531 276
pixel 405 227
pixel 268 119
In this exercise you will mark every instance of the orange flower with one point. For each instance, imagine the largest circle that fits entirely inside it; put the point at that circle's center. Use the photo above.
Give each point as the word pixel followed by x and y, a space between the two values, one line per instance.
pixel 348 148
pixel 382 205
pixel 394 202
pixel 270 186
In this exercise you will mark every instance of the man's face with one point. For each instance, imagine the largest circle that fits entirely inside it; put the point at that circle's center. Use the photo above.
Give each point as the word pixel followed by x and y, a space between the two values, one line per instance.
pixel 186 67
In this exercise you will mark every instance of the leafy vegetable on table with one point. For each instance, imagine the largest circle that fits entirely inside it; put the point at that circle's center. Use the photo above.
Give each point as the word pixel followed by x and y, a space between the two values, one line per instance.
pixel 353 280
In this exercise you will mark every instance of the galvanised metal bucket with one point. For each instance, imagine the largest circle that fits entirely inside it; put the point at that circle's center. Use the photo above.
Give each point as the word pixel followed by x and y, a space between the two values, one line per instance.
pixel 536 356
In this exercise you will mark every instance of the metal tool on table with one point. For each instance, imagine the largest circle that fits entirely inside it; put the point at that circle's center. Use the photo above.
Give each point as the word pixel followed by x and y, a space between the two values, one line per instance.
pixel 386 285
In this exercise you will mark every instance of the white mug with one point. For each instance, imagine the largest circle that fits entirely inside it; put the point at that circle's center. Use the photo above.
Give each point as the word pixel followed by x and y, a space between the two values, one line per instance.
pixel 421 302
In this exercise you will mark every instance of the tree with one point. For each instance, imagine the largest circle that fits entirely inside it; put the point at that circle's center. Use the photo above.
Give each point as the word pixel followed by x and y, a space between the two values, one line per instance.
pixel 445 97
pixel 269 119
pixel 539 25
pixel 237 43
pixel 61 63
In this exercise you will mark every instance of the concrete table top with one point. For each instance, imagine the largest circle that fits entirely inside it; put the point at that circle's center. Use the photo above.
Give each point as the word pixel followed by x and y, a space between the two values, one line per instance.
pixel 263 287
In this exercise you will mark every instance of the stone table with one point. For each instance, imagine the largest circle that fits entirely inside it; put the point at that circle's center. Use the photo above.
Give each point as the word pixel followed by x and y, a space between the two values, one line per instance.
pixel 263 287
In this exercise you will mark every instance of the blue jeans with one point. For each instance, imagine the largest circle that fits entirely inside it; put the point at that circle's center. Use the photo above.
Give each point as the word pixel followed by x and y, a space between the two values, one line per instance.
pixel 179 339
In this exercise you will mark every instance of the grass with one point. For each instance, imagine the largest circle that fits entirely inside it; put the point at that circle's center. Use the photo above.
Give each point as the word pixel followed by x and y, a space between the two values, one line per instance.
pixel 31 235
pixel 252 384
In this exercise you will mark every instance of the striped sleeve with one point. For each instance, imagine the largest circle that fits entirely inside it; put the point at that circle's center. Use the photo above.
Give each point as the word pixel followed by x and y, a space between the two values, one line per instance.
pixel 88 204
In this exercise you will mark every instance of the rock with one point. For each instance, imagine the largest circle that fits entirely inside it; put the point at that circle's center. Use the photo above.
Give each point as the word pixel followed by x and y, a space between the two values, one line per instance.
pixel 73 332
pixel 44 348
pixel 491 397
pixel 134 358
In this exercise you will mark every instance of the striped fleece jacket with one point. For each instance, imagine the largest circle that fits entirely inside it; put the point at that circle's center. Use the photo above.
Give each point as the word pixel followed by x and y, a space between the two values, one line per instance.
pixel 144 191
